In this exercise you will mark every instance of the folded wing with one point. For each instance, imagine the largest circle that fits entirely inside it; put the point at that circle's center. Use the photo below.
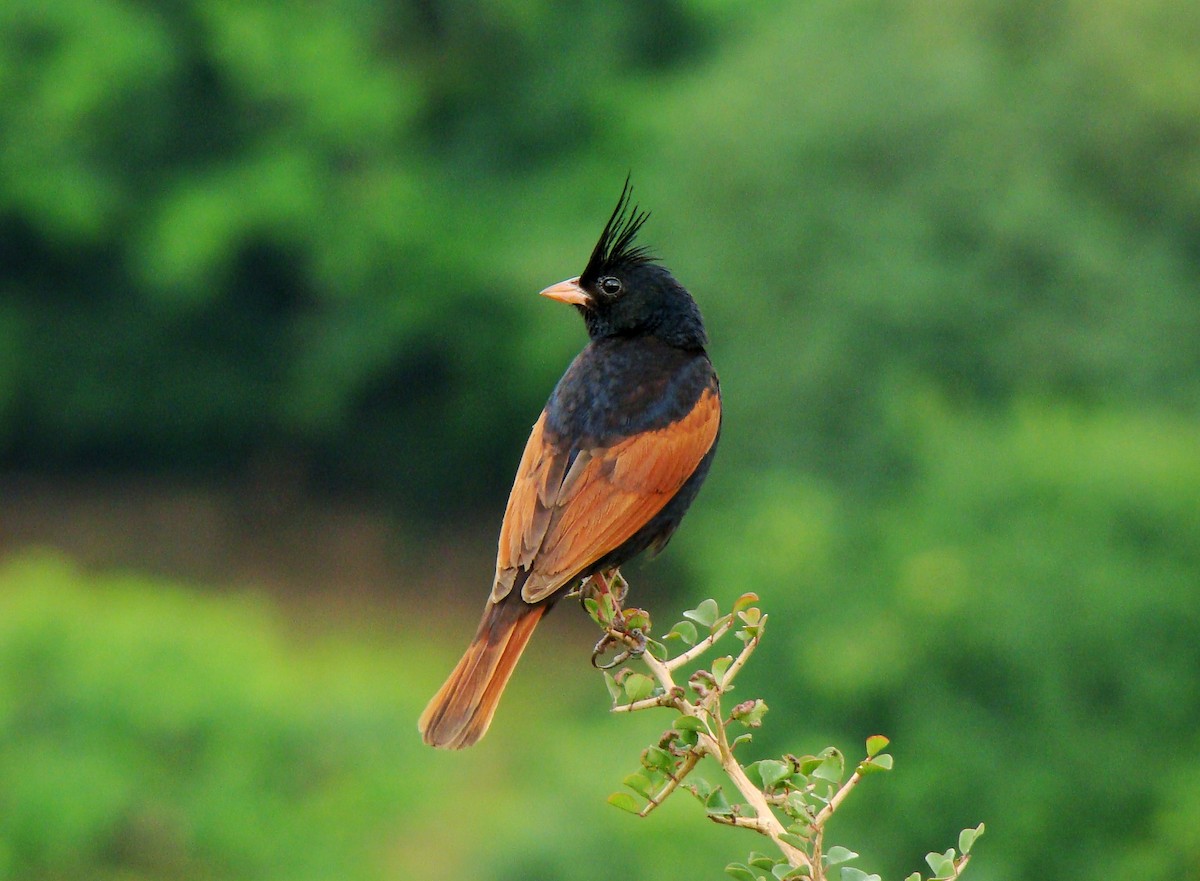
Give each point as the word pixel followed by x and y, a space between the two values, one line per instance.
pixel 561 520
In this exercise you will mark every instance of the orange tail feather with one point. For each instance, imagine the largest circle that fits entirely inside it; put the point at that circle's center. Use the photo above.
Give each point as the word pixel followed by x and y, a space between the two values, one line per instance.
pixel 461 711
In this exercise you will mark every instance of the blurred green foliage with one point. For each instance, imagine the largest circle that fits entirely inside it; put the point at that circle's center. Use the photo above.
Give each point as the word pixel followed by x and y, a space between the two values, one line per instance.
pixel 232 231
pixel 948 256
pixel 147 732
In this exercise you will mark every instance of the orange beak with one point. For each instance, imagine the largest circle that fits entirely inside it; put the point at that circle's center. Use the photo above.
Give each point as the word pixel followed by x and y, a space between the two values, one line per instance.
pixel 568 291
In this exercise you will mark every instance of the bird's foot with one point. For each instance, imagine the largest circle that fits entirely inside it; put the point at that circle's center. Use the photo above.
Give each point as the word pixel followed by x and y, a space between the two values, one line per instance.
pixel 624 629
pixel 627 634
pixel 629 643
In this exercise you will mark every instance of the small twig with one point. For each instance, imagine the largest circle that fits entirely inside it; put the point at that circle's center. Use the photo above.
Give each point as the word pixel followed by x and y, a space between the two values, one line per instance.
pixel 744 655
pixel 662 672
pixel 699 648
pixel 838 798
pixel 648 703
pixel 770 825
pixel 711 738
pixel 745 822
pixel 765 820
pixel 673 781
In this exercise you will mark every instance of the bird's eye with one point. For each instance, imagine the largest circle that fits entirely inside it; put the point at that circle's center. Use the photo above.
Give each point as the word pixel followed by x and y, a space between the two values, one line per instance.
pixel 610 285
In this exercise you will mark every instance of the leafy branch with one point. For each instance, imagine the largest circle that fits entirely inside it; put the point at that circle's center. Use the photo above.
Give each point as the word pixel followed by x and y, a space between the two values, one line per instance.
pixel 788 800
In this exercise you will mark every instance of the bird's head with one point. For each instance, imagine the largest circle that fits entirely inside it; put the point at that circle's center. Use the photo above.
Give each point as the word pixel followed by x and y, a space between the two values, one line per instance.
pixel 625 291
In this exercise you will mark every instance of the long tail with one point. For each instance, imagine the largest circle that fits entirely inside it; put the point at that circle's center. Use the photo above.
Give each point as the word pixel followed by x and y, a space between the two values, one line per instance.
pixel 460 712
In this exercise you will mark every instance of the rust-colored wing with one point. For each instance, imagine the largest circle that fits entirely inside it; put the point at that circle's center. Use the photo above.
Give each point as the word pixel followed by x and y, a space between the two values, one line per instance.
pixel 558 522
pixel 530 505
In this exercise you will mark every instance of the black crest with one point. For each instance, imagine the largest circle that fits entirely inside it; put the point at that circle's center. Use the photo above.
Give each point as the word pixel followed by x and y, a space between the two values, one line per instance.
pixel 616 247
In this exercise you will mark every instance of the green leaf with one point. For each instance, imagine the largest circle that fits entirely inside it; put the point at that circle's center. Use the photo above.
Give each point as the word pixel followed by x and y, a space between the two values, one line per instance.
pixel 624 801
pixel 753 775
pixel 751 617
pixel 719 667
pixel 875 743
pixel 745 600
pixel 795 805
pixel 637 619
pixel 942 864
pixel 689 723
pixel 966 838
pixel 761 860
pixel 742 873
pixel 638 686
pixel 657 758
pixel 808 764
pixel 750 713
pixel 606 611
pixel 684 630
pixel 832 766
pixel 784 872
pixel 704 614
pixel 771 772
pixel 745 737
pixel 881 762
pixel 702 682
pixel 593 609
pixel 838 854
pixel 717 803
pixel 700 787
pixel 850 873
pixel 639 783
pixel 657 649
pixel 793 840
pixel 915 876
pixel 615 691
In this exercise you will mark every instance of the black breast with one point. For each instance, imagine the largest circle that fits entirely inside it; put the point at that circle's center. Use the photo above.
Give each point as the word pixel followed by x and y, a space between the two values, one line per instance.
pixel 616 388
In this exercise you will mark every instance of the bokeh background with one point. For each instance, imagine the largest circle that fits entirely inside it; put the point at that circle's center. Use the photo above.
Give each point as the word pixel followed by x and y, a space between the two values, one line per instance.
pixel 270 345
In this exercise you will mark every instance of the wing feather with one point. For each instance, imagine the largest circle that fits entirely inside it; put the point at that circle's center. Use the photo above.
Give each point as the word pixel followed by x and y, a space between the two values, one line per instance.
pixel 560 521
pixel 530 505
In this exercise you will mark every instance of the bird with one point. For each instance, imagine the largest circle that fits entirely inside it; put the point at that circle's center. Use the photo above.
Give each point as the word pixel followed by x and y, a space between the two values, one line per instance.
pixel 611 466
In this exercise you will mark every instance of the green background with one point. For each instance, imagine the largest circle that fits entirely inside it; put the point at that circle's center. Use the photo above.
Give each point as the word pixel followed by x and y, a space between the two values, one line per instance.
pixel 270 344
